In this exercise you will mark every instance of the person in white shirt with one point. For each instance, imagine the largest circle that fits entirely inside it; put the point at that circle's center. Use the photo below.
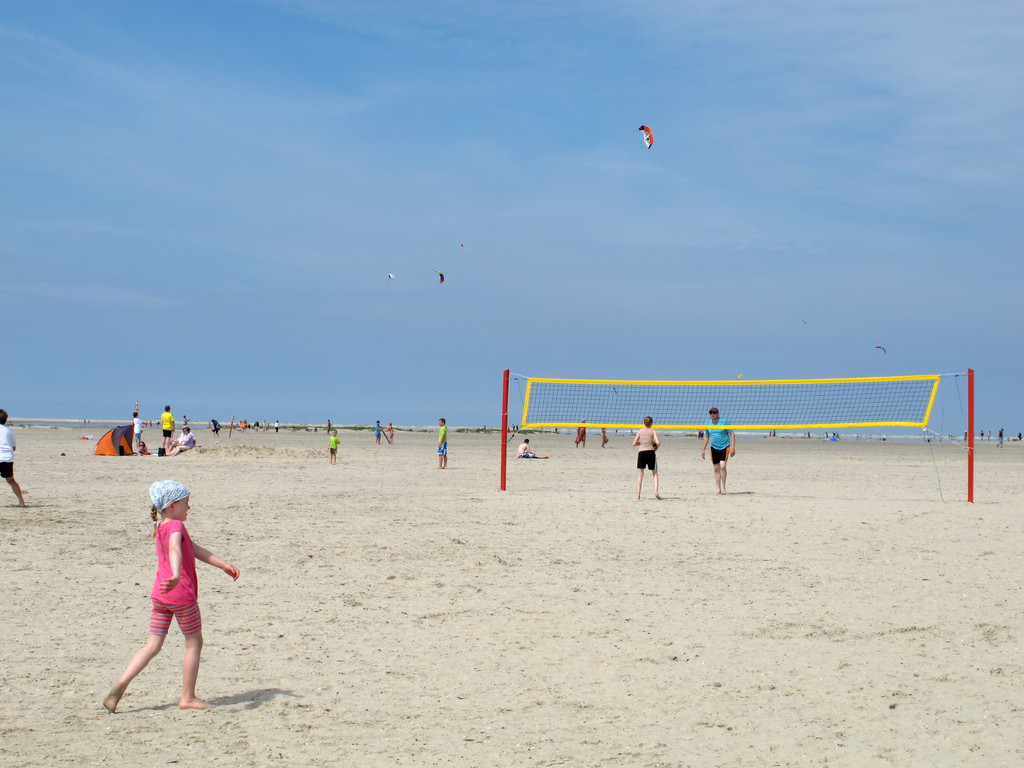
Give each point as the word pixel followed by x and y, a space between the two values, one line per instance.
pixel 185 442
pixel 137 427
pixel 8 445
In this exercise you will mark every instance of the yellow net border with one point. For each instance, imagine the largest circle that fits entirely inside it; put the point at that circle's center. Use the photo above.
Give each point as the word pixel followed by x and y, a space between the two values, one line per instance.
pixel 788 404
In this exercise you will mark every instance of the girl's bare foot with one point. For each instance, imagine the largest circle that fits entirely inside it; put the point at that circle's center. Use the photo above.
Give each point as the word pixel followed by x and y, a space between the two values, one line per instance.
pixel 113 698
pixel 194 704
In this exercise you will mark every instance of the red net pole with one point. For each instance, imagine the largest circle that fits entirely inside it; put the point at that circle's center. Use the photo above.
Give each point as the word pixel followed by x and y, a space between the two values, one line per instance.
pixel 504 427
pixel 970 435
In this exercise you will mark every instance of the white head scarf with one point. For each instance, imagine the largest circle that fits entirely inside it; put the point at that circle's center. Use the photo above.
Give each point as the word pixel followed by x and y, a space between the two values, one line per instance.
pixel 166 492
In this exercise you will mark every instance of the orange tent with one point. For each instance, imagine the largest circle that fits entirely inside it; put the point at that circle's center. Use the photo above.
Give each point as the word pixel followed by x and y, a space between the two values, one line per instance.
pixel 117 442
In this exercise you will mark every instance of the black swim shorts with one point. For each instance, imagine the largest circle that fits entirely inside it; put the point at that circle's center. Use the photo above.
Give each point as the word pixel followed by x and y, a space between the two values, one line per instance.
pixel 647 460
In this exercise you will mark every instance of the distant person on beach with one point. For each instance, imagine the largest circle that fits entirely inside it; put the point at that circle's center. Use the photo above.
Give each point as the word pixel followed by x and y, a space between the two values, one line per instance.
pixel 604 437
pixel 526 452
pixel 175 593
pixel 277 426
pixel 581 435
pixel 332 446
pixel 186 442
pixel 723 445
pixel 167 424
pixel 647 443
pixel 377 431
pixel 391 434
pixel 136 428
pixel 8 445
pixel 215 427
pixel 442 445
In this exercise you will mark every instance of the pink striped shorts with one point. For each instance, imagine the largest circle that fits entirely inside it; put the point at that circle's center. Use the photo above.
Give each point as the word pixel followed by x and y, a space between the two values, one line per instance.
pixel 188 618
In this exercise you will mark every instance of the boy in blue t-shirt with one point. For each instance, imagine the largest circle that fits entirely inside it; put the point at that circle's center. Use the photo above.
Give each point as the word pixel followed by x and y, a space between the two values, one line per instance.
pixel 723 445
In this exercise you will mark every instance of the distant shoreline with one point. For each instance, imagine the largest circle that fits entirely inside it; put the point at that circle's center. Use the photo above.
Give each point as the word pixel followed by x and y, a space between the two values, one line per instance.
pixel 295 426
pixel 196 425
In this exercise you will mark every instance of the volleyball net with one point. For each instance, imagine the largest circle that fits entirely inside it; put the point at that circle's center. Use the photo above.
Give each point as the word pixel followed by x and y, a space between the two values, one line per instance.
pixel 777 404
pixel 902 401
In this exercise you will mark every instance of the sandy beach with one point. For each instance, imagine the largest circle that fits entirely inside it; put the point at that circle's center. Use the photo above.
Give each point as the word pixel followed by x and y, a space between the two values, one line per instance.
pixel 832 610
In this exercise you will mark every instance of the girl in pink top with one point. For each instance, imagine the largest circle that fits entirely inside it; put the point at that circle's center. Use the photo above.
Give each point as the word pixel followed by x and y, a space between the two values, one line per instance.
pixel 175 592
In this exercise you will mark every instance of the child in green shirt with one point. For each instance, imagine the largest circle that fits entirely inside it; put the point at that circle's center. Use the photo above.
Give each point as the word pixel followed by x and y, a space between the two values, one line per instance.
pixel 334 441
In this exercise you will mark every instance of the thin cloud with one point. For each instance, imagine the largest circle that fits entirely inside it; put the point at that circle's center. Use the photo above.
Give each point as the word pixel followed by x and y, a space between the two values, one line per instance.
pixel 86 295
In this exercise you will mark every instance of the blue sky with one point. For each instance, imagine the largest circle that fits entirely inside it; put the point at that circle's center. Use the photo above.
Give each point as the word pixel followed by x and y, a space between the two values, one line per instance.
pixel 202 201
